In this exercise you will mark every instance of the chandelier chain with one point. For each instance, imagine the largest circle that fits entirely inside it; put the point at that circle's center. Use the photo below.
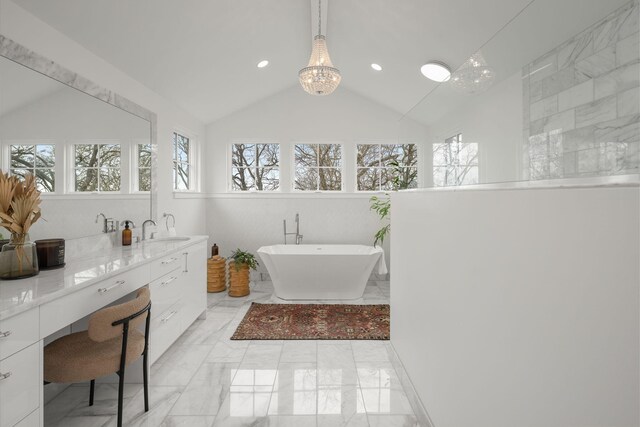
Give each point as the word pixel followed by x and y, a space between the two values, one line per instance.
pixel 319 18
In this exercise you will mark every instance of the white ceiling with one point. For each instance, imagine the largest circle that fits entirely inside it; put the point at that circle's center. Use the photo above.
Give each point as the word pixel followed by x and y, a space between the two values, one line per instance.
pixel 202 54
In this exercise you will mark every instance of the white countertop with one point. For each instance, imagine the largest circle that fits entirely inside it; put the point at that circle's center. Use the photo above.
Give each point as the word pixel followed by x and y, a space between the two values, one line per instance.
pixel 17 296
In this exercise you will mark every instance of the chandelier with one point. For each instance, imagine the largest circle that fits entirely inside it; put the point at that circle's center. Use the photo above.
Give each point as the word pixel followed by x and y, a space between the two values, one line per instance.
pixel 320 77
pixel 473 76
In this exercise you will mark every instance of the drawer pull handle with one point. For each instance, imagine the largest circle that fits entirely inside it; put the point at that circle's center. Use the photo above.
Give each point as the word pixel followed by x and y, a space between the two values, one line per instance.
pixel 166 319
pixel 5 376
pixel 5 334
pixel 169 280
pixel 118 283
pixel 169 261
pixel 186 262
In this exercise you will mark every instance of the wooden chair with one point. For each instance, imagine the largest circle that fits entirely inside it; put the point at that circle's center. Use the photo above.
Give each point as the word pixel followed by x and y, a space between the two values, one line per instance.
pixel 112 342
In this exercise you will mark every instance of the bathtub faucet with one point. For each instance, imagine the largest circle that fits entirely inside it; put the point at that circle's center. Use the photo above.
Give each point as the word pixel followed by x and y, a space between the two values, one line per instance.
pixel 297 233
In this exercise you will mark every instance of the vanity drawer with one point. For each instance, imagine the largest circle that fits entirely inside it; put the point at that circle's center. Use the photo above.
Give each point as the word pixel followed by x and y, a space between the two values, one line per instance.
pixel 18 332
pixel 166 264
pixel 19 385
pixel 165 291
pixel 165 329
pixel 64 311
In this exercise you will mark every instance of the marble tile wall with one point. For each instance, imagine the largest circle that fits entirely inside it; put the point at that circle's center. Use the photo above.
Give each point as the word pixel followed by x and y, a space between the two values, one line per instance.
pixel 582 103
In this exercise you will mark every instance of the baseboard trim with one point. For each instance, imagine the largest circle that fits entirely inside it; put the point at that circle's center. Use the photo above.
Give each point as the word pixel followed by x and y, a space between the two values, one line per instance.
pixel 422 416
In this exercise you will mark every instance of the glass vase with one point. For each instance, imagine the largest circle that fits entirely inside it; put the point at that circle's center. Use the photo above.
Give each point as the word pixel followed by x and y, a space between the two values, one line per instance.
pixel 18 258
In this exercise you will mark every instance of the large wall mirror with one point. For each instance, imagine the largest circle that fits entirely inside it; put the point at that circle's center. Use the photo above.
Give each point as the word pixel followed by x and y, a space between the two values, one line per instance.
pixel 553 95
pixel 92 151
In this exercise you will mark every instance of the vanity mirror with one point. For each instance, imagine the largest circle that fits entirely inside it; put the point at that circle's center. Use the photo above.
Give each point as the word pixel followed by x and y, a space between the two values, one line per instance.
pixel 91 150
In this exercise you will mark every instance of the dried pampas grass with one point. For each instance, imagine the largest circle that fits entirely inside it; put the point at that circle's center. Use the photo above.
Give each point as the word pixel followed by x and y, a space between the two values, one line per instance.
pixel 19 203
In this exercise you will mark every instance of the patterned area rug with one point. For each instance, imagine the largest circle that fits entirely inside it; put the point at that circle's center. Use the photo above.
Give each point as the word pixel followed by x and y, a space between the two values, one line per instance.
pixel 314 322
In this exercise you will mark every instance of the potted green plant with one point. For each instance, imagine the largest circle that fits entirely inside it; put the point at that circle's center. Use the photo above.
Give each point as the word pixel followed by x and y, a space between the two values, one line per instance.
pixel 240 263
pixel 382 205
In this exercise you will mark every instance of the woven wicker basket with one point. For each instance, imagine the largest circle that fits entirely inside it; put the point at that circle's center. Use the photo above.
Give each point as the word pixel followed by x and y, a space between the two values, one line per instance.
pixel 216 274
pixel 238 279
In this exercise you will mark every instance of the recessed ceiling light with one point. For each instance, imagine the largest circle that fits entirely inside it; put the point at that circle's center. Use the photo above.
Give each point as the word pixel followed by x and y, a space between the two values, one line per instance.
pixel 376 67
pixel 436 71
pixel 263 63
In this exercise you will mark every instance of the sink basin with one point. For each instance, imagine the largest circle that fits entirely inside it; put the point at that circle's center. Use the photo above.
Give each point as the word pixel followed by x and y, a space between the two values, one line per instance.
pixel 167 239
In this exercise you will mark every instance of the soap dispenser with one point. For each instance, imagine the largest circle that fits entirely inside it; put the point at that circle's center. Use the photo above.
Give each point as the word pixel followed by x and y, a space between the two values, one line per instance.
pixel 126 234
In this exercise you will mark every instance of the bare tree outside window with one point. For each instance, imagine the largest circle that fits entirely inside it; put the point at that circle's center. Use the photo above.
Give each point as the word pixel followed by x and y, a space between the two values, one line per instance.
pixel 318 167
pixel 455 162
pixel 38 159
pixel 144 167
pixel 97 167
pixel 255 167
pixel 181 162
pixel 379 166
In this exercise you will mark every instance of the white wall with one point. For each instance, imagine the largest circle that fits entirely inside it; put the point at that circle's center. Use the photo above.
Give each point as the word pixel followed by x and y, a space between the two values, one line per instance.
pixel 492 119
pixel 250 221
pixel 519 307
pixel 29 31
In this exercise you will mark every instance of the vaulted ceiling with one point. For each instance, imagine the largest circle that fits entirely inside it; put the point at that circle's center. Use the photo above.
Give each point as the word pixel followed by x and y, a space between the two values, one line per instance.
pixel 202 54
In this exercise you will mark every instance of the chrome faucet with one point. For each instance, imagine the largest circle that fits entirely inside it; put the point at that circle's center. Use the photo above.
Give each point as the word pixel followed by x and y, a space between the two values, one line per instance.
pixel 108 224
pixel 297 233
pixel 166 221
pixel 144 228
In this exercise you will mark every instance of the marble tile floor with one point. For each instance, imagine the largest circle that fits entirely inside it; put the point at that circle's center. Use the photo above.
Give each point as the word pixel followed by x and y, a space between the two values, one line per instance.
pixel 207 380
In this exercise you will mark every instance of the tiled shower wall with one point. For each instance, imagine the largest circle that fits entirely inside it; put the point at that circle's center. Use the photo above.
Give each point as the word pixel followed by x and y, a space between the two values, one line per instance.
pixel 582 104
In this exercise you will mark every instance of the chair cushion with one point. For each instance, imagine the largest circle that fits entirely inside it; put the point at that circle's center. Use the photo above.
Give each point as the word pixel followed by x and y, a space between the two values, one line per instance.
pixel 77 358
pixel 100 322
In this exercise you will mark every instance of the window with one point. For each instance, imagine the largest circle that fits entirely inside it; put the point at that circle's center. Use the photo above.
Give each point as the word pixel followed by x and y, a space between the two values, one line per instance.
pixel 255 167
pixel 382 167
pixel 97 167
pixel 318 167
pixel 38 159
pixel 143 161
pixel 182 163
pixel 455 162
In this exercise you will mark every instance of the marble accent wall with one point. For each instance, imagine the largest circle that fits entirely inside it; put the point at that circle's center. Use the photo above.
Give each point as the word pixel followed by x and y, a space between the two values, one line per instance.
pixel 582 103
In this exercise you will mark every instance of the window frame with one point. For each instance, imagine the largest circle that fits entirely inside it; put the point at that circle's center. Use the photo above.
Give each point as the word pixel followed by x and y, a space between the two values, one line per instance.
pixel 230 166
pixel 193 161
pixel 458 137
pixel 70 165
pixel 64 167
pixel 293 167
pixel 58 152
pixel 417 166
pixel 134 169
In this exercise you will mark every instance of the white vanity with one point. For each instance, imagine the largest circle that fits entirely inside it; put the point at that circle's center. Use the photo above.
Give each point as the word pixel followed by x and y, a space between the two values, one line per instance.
pixel 33 309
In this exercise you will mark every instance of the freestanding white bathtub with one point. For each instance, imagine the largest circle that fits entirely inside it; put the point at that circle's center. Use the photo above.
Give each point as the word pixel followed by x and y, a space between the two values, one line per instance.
pixel 305 272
